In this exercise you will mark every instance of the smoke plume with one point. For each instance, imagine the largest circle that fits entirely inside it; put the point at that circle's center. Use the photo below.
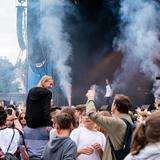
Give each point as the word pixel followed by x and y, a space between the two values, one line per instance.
pixel 58 41
pixel 139 40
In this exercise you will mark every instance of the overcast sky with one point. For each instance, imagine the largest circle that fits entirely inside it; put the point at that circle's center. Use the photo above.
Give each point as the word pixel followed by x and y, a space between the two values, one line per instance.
pixel 8 37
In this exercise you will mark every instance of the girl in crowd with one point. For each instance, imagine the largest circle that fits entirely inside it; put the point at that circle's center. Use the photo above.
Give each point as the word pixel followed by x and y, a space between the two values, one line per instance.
pixel 10 137
pixel 146 140
pixel 22 119
pixel 38 104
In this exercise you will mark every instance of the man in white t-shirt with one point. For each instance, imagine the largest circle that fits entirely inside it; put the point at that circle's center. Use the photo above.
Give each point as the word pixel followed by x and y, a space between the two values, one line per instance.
pixel 109 92
pixel 89 141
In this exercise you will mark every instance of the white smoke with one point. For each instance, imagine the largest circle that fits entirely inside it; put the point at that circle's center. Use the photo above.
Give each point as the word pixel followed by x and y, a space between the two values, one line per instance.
pixel 58 41
pixel 139 41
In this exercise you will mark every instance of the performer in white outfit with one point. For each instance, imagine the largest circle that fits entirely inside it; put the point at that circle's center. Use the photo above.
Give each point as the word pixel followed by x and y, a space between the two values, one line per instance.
pixel 109 92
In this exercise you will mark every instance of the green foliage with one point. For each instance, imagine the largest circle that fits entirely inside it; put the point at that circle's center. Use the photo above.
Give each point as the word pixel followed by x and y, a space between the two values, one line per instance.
pixel 8 77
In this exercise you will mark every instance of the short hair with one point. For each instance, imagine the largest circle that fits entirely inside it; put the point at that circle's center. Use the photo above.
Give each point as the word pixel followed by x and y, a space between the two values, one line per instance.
pixel 71 112
pixel 64 120
pixel 3 116
pixel 123 103
pixel 12 106
pixel 80 108
pixel 44 79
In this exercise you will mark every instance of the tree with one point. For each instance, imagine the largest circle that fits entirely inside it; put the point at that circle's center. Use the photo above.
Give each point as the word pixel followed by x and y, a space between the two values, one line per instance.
pixel 8 77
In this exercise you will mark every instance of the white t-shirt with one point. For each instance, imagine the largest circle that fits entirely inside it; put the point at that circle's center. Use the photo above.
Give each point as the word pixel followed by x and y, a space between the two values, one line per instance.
pixel 84 137
pixel 5 139
pixel 108 91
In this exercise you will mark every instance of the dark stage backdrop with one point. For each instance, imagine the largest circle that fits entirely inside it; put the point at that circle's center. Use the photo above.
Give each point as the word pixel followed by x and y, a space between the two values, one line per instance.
pixel 91 28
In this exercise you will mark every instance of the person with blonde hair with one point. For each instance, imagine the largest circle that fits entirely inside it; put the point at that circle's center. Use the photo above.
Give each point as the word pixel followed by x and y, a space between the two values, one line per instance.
pixel 38 107
pixel 46 82
pixel 146 140
pixel 38 103
pixel 22 119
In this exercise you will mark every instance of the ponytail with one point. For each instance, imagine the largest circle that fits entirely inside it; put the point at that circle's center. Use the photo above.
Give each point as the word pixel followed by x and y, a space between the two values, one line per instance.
pixel 148 132
pixel 139 140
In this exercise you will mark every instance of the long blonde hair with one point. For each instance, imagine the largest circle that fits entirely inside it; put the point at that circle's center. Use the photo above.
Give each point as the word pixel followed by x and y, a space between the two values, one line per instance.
pixel 43 80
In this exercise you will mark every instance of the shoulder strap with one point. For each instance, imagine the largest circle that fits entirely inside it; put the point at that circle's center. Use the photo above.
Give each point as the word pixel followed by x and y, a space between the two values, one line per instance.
pixel 125 137
pixel 112 148
pixel 11 140
pixel 128 130
pixel 3 128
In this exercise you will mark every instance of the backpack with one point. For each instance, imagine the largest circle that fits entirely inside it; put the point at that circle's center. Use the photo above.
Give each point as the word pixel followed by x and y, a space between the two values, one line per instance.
pixel 7 155
pixel 126 144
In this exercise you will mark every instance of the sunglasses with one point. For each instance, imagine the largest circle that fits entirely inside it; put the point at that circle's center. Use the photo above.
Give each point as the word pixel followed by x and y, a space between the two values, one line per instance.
pixel 22 118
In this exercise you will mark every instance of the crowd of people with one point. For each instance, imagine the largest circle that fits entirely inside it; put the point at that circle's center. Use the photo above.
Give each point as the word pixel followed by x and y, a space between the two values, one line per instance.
pixel 39 131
